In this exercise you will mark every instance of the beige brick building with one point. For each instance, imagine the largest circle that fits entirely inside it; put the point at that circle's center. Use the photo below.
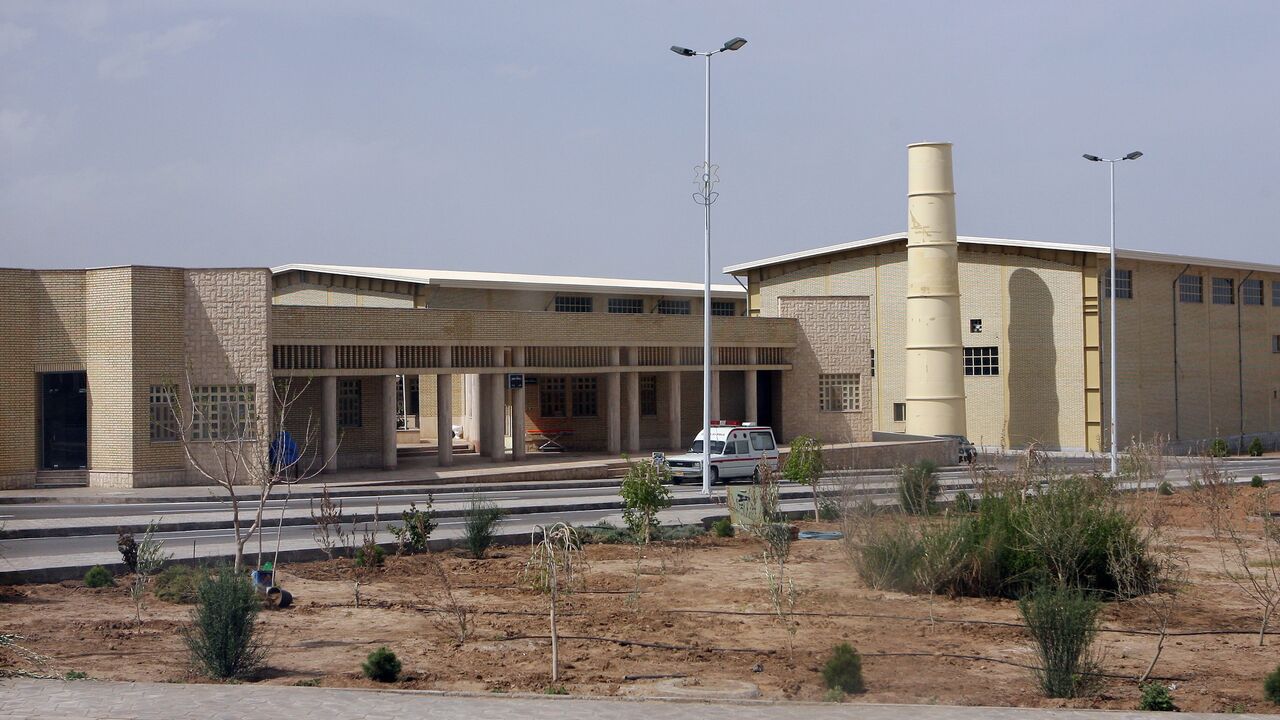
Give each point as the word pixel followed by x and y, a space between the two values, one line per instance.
pixel 1199 339
pixel 379 358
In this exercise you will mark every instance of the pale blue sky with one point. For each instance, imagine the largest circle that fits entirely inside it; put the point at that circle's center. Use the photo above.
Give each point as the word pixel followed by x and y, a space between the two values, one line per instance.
pixel 561 137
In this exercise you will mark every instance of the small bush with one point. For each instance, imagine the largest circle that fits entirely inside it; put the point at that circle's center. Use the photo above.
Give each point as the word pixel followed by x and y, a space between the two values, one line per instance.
pixel 415 533
pixel 644 494
pixel 1255 448
pixel 128 548
pixel 1271 687
pixel 1257 481
pixel 75 675
pixel 1062 623
pixel 888 559
pixel 843 670
pixel 98 577
pixel 382 665
pixel 1166 488
pixel 1218 448
pixel 605 533
pixel 370 555
pixel 1156 698
pixel 722 528
pixel 964 503
pixel 481 525
pixel 828 510
pixel 918 488
pixel 179 584
pixel 222 638
pixel 834 696
pixel 556 690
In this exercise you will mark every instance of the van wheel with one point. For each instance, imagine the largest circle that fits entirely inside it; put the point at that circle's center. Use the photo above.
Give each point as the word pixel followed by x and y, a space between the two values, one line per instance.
pixel 715 475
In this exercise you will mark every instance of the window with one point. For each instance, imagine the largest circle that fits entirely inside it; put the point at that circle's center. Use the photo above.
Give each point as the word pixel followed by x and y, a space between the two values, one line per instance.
pixel 724 308
pixel 626 305
pixel 762 441
pixel 1224 291
pixel 573 303
pixel 1124 284
pixel 839 393
pixel 1275 343
pixel 1251 292
pixel 349 410
pixel 975 325
pixel 585 397
pixel 873 362
pixel 1190 289
pixel 551 397
pixel 1275 293
pixel 648 395
pixel 164 421
pixel 673 307
pixel 899 412
pixel 222 412
pixel 982 360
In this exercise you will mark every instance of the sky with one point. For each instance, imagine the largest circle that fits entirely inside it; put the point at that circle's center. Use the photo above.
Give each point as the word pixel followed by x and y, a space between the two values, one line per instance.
pixel 562 137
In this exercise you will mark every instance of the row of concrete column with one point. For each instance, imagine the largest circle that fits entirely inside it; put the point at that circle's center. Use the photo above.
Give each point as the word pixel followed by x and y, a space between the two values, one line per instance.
pixel 491 399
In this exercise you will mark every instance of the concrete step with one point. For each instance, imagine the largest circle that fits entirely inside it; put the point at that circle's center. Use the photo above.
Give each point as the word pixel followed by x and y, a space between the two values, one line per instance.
pixel 409 451
pixel 48 479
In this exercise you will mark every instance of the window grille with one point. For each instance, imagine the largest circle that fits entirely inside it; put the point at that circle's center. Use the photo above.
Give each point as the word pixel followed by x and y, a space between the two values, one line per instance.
pixel 223 412
pixel 673 307
pixel 982 360
pixel 573 303
pixel 626 305
pixel 1190 289
pixel 1224 291
pixel 1124 284
pixel 551 397
pixel 585 397
pixel 164 421
pixel 648 395
pixel 839 392
pixel 349 404
pixel 1251 292
pixel 724 308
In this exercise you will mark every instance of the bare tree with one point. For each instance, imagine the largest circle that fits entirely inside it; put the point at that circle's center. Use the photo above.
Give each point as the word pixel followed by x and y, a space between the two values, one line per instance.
pixel 555 567
pixel 452 615
pixel 328 523
pixel 150 557
pixel 229 443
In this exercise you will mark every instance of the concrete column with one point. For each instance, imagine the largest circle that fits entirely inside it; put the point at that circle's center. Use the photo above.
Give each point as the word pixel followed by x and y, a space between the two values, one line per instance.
pixel 517 408
pixel 631 385
pixel 676 439
pixel 444 409
pixel 497 407
pixel 613 405
pixel 715 395
pixel 752 410
pixel 329 410
pixel 388 409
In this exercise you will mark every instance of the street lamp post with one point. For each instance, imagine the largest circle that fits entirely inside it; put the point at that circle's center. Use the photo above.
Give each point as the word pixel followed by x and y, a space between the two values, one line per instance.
pixel 705 196
pixel 1111 299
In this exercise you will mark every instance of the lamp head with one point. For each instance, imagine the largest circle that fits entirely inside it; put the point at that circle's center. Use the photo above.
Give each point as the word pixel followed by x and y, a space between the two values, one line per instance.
pixel 682 51
pixel 735 44
pixel 1133 155
pixel 1092 158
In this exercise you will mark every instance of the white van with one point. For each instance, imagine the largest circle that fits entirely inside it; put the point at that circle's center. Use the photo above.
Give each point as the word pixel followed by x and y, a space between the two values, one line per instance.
pixel 736 451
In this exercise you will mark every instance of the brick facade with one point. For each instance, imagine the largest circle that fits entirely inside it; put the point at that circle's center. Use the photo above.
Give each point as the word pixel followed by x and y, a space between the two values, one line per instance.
pixel 835 338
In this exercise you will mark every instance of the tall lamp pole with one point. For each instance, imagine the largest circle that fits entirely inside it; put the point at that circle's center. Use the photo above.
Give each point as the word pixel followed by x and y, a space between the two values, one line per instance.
pixel 1111 299
pixel 705 196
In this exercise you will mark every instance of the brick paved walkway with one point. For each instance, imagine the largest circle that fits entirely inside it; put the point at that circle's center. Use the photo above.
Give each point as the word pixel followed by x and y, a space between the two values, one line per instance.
pixel 94 700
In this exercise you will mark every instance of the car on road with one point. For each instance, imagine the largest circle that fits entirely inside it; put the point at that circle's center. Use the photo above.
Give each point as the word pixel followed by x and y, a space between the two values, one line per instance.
pixel 968 452
pixel 736 451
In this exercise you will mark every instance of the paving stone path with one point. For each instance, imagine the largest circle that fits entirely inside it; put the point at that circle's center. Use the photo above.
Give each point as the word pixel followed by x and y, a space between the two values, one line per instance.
pixel 95 700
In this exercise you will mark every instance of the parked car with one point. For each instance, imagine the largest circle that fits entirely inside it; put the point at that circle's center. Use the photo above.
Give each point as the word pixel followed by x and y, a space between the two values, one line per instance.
pixel 968 452
pixel 736 452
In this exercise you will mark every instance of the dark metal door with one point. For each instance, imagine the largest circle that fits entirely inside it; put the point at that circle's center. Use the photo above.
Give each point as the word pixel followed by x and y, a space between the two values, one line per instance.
pixel 65 421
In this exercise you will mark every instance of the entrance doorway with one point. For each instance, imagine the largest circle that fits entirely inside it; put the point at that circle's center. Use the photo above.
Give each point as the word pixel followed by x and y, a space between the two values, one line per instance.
pixel 64 423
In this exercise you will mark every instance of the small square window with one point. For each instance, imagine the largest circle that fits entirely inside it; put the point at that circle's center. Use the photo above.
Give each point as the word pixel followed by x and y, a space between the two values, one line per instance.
pixel 975 325
pixel 626 305
pixel 673 307
pixel 839 392
pixel 1190 289
pixel 899 412
pixel 724 308
pixel 982 361
pixel 1224 291
pixel 1124 284
pixel 573 303
pixel 1251 292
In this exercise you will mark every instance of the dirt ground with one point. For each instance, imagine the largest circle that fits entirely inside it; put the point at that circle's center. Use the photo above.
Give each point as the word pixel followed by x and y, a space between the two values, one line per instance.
pixel 688 595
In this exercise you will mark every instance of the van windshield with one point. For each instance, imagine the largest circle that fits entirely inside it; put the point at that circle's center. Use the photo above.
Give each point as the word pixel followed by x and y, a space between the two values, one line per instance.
pixel 717 447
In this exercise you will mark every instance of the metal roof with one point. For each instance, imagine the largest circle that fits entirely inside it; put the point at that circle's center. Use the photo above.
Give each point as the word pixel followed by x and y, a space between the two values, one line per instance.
pixel 742 268
pixel 512 281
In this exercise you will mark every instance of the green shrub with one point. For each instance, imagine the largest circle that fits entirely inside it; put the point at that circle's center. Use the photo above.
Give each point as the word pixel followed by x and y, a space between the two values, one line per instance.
pixel 98 577
pixel 887 560
pixel 644 494
pixel 370 555
pixel 843 670
pixel 723 528
pixel 179 583
pixel 1255 448
pixel 222 638
pixel 918 488
pixel 556 690
pixel 1156 698
pixel 1063 623
pixel 415 532
pixel 1218 448
pixel 1257 481
pixel 75 675
pixel 1271 686
pixel 382 665
pixel 964 503
pixel 805 466
pixel 1166 488
pixel 683 531
pixel 481 525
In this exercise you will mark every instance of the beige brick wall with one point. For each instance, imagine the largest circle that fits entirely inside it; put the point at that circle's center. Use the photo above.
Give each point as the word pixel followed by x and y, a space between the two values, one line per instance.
pixel 109 364
pixel 18 416
pixel 835 337
pixel 158 300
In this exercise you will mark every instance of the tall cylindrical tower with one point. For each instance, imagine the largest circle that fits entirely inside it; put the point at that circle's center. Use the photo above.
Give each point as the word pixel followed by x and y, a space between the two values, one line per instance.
pixel 935 357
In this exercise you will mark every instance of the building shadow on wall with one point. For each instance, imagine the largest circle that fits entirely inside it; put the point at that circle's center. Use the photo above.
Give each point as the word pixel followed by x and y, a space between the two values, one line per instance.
pixel 1032 363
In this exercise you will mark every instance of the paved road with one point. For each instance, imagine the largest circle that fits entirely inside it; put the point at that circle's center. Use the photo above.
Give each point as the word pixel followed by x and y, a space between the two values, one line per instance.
pixel 94 700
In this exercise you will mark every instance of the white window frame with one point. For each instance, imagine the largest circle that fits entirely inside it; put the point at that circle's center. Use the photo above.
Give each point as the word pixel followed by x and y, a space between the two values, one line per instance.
pixel 673 306
pixel 626 306
pixel 574 304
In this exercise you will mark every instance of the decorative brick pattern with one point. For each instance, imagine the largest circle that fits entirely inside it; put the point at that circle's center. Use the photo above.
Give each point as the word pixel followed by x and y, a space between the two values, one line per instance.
pixel 835 335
